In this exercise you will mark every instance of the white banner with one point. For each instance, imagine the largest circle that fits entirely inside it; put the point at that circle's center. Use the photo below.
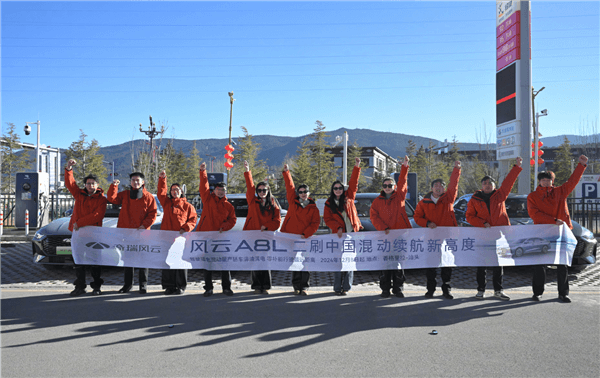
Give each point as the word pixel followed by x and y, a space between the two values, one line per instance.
pixel 255 250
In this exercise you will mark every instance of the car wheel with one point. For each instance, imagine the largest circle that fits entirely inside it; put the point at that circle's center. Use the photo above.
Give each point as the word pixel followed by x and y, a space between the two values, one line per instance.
pixel 518 252
pixel 545 249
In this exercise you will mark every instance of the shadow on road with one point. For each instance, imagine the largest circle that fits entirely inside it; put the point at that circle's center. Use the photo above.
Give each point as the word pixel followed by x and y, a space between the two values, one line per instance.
pixel 282 322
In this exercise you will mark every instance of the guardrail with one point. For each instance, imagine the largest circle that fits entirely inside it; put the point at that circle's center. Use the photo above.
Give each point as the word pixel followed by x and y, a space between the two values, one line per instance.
pixel 586 213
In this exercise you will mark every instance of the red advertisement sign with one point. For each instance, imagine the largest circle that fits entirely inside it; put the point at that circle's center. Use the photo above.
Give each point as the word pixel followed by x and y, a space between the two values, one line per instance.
pixel 508 46
pixel 515 18
pixel 508 58
pixel 508 35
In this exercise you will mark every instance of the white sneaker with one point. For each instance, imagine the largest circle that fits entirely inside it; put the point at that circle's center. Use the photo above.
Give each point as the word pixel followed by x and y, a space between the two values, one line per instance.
pixel 501 295
pixel 480 295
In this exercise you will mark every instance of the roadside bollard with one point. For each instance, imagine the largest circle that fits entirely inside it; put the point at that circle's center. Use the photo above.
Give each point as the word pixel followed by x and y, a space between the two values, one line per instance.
pixel 1 220
pixel 26 222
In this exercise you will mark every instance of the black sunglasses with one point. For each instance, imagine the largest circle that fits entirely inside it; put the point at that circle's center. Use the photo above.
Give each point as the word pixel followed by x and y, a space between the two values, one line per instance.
pixel 302 191
pixel 387 186
pixel 262 190
pixel 338 188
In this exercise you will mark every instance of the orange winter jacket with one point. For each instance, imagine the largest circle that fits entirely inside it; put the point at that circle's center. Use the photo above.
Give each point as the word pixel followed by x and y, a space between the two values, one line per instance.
pixel 390 213
pixel 88 210
pixel 134 212
pixel 178 213
pixel 217 213
pixel 256 218
pixel 477 210
pixel 333 219
pixel 442 212
pixel 546 205
pixel 299 220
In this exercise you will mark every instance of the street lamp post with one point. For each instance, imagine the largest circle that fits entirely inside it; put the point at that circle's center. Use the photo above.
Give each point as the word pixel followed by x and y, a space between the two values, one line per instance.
pixel 211 161
pixel 37 147
pixel 113 168
pixel 536 136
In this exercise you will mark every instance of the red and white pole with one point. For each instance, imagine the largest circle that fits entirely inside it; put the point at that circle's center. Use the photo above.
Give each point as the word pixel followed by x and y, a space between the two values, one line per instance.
pixel 1 220
pixel 26 222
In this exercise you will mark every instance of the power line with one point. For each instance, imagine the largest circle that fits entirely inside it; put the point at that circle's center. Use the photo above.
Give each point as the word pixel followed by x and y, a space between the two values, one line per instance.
pixel 280 57
pixel 288 23
pixel 270 75
pixel 290 90
pixel 274 38
pixel 283 45
pixel 280 64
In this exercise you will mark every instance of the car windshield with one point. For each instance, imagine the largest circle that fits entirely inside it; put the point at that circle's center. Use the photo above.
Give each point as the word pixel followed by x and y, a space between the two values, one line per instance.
pixel 241 206
pixel 363 207
pixel 517 208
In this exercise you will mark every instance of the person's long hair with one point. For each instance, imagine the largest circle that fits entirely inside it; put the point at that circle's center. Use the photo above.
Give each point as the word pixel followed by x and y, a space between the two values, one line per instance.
pixel 171 187
pixel 332 197
pixel 269 201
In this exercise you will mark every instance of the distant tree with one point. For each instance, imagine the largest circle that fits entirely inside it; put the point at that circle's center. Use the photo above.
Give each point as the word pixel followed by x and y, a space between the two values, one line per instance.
pixel 411 149
pixel 321 161
pixel 355 151
pixel 562 163
pixel 301 168
pixel 89 160
pixel 11 160
pixel 192 179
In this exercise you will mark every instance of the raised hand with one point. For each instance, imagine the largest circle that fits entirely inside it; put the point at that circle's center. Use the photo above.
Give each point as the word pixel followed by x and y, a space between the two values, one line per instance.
pixel 246 166
pixel 519 161
pixel 457 164
pixel 405 162
pixel 583 159
pixel 357 162
pixel 203 166
pixel 162 174
pixel 286 167
pixel 116 183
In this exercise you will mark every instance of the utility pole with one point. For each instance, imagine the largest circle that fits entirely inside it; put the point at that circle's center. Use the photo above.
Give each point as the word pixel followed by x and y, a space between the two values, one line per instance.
pixel 231 100
pixel 151 133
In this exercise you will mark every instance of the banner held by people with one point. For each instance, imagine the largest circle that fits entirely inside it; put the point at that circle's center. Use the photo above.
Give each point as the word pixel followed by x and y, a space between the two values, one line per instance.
pixel 256 250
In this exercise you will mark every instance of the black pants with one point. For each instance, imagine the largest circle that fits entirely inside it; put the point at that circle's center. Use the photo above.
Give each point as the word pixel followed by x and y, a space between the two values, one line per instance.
pixel 431 274
pixel 225 280
pixel 143 277
pixel 96 271
pixel 386 278
pixel 174 279
pixel 300 280
pixel 261 280
pixel 496 278
pixel 539 279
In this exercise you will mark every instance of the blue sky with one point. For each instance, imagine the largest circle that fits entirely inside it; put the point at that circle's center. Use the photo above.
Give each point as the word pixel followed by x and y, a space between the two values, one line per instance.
pixel 420 68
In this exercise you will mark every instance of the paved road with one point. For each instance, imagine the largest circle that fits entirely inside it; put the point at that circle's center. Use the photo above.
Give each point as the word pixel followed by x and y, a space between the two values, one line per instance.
pixel 18 270
pixel 48 334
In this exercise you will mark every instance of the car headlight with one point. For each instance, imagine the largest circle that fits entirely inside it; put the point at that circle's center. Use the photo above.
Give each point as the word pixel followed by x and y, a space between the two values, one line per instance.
pixel 586 234
pixel 39 236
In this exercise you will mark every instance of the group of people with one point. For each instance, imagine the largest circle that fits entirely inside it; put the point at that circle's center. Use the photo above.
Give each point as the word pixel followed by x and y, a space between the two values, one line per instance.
pixel 546 205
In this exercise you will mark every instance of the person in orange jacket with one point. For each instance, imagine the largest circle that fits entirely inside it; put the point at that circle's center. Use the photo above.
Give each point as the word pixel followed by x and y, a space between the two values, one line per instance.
pixel 138 210
pixel 178 215
pixel 88 210
pixel 263 215
pixel 217 215
pixel 486 209
pixel 302 219
pixel 388 212
pixel 548 205
pixel 340 216
pixel 437 209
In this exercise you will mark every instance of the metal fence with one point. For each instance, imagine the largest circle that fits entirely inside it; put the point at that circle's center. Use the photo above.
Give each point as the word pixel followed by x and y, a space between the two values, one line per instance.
pixel 586 214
